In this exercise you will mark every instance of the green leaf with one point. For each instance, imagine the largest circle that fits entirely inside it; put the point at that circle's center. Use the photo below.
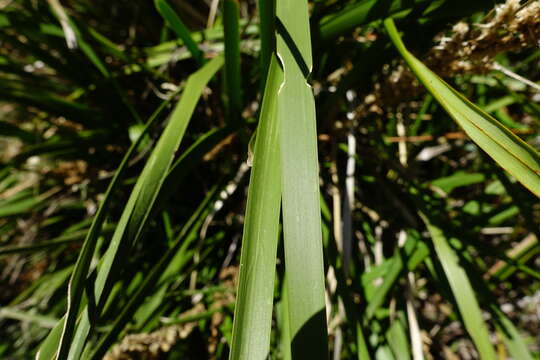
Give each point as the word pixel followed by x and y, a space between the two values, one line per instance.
pixel 49 346
pixel 284 323
pixel 76 284
pixel 508 150
pixel 41 320
pixel 76 236
pixel 178 250
pixel 253 309
pixel 267 33
pixel 413 254
pixel 300 184
pixel 361 12
pixel 24 202
pixel 233 78
pixel 463 292
pixel 174 21
pixel 140 204
pixel 458 179
pixel 397 338
pixel 512 338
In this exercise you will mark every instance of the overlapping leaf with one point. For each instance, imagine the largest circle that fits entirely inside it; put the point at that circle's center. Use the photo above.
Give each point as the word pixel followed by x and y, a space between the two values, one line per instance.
pixel 253 310
pixel 300 184
pixel 140 204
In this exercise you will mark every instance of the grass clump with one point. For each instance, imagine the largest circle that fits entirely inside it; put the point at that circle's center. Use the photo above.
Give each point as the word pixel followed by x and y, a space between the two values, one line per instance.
pixel 283 179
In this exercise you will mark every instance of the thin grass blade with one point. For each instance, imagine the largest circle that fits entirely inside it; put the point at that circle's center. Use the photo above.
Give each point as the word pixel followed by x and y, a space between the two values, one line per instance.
pixel 463 292
pixel 233 78
pixel 80 272
pixel 508 150
pixel 512 338
pixel 186 237
pixel 267 10
pixel 142 199
pixel 175 23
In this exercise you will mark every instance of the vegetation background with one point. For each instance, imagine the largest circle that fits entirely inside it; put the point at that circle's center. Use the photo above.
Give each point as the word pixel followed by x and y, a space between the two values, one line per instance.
pixel 127 140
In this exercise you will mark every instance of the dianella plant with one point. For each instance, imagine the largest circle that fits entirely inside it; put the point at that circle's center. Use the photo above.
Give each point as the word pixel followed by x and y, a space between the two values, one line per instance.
pixel 271 179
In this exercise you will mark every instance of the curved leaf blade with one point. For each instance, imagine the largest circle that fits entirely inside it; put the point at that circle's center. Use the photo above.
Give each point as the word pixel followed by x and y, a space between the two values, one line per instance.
pixel 80 272
pixel 143 197
pixel 508 150
pixel 173 20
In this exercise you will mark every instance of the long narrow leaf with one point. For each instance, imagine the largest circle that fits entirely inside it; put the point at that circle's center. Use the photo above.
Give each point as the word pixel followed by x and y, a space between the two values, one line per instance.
pixel 233 79
pixel 179 247
pixel 508 150
pixel 300 184
pixel 463 292
pixel 512 338
pixel 253 310
pixel 174 21
pixel 80 272
pixel 267 34
pixel 140 204
pixel 73 237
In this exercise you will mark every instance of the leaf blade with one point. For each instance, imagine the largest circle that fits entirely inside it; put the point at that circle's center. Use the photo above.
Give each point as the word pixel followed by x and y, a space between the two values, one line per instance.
pixel 253 309
pixel 463 292
pixel 508 150
pixel 141 201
